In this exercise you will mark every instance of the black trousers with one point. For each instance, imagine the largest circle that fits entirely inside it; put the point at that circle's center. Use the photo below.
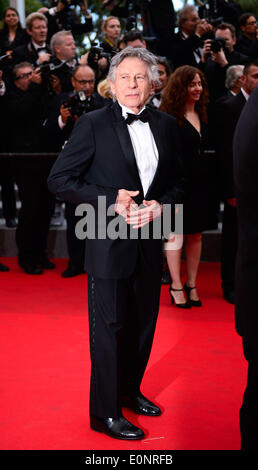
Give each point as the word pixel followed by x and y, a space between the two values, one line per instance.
pixel 7 184
pixel 37 205
pixel 228 248
pixel 75 246
pixel 249 408
pixel 122 318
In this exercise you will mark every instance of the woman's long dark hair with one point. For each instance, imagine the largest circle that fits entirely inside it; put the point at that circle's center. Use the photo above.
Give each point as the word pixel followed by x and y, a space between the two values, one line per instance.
pixel 5 26
pixel 175 94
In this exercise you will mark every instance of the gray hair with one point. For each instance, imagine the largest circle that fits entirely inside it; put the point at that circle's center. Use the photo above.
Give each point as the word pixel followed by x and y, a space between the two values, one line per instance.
pixel 57 39
pixel 138 53
pixel 233 73
pixel 184 14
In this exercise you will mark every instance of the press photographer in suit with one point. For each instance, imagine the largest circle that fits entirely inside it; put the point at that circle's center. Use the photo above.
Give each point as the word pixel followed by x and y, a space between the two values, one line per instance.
pixel 135 166
pixel 66 109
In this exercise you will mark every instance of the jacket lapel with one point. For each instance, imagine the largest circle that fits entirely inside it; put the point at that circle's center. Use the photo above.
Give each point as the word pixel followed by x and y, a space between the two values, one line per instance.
pixel 125 142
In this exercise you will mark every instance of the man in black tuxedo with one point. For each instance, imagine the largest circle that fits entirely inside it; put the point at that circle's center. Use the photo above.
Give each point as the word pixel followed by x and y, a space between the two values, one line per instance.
pixel 130 163
pixel 66 109
pixel 64 52
pixel 246 175
pixel 26 113
pixel 228 115
pixel 37 50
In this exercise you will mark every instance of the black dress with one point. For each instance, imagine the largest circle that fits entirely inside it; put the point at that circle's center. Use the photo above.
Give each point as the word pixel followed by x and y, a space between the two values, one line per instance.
pixel 201 201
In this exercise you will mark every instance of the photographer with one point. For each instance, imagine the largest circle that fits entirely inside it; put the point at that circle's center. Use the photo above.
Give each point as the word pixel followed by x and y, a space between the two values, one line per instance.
pixel 26 111
pixel 61 17
pixel 187 44
pixel 218 55
pixel 64 52
pixel 248 26
pixel 65 111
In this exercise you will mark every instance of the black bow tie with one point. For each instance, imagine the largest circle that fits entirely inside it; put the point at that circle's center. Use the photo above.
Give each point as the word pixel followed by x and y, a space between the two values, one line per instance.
pixel 157 95
pixel 40 49
pixel 144 117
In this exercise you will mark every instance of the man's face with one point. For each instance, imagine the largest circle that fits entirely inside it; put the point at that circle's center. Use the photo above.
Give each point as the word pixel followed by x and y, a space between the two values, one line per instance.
pixel 84 80
pixel 227 35
pixel 23 78
pixel 38 32
pixel 113 29
pixel 250 81
pixel 163 77
pixel 132 86
pixel 66 50
pixel 189 25
pixel 250 27
pixel 137 43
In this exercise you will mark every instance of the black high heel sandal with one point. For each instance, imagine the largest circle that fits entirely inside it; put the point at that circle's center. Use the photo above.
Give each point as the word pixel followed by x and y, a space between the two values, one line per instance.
pixel 182 305
pixel 193 303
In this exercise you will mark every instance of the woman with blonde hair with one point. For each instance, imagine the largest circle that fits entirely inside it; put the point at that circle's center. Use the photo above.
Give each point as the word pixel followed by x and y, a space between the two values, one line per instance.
pixel 112 29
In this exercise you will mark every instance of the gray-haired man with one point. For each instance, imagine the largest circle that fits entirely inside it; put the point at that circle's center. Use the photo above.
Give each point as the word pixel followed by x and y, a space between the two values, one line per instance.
pixel 134 165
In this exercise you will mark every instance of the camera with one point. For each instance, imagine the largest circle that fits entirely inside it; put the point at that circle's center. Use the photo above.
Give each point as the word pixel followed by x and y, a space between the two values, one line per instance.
pixel 217 44
pixel 78 104
pixel 97 53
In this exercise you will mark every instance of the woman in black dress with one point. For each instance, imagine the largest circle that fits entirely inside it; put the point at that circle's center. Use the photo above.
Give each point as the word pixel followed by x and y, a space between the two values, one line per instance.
pixel 12 35
pixel 185 97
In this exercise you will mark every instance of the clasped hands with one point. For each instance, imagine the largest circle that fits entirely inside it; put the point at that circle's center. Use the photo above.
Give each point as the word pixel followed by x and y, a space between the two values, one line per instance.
pixel 135 215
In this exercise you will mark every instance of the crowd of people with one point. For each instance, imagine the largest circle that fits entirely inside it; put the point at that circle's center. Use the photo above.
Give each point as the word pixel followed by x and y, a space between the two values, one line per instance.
pixel 207 71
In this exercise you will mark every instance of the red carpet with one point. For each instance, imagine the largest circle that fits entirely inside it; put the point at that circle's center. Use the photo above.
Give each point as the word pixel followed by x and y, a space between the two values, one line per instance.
pixel 196 372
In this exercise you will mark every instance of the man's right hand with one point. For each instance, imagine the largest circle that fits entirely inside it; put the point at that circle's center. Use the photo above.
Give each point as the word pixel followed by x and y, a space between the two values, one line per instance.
pixel 125 203
pixel 65 113
pixel 203 28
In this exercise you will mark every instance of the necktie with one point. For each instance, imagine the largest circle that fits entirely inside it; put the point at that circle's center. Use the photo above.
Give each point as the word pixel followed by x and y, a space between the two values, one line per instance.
pixel 144 117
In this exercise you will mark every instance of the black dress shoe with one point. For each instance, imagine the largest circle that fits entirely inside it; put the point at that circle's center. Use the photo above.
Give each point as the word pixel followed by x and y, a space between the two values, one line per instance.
pixel 31 269
pixel 141 405
pixel 47 264
pixel 3 268
pixel 119 428
pixel 72 271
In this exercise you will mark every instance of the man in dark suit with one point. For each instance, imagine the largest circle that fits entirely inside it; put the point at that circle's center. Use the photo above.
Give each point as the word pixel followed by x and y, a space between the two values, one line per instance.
pixel 26 112
pixel 246 176
pixel 64 52
pixel 228 115
pixel 37 50
pixel 66 109
pixel 113 154
pixel 186 45
pixel 247 23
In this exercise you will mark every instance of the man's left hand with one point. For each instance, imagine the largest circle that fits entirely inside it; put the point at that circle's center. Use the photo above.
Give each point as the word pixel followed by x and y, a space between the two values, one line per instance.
pixel 143 216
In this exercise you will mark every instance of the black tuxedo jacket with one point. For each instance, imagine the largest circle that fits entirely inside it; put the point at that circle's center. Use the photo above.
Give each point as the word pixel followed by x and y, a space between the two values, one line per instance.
pixel 98 160
pixel 27 53
pixel 54 136
pixel 227 115
pixel 246 183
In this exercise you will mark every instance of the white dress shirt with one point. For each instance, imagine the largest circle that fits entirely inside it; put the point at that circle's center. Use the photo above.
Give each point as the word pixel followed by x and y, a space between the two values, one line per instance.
pixel 145 149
